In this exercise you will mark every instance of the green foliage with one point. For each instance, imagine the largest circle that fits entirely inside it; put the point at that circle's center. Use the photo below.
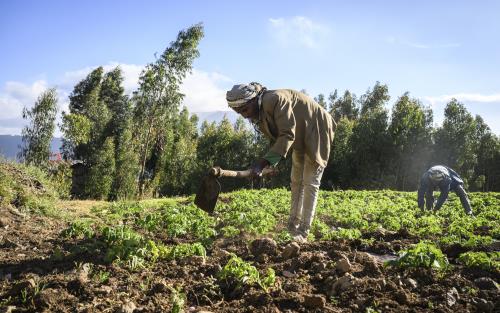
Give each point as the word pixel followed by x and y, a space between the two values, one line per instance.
pixel 79 229
pixel 484 260
pixel 27 188
pixel 125 244
pixel 59 173
pixel 410 131
pixel 76 131
pixel 424 254
pixel 246 274
pixel 183 250
pixel 178 299
pixel 253 213
pixel 157 104
pixel 38 134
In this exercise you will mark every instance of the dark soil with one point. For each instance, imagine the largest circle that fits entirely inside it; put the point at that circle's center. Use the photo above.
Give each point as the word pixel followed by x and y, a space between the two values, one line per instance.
pixel 42 272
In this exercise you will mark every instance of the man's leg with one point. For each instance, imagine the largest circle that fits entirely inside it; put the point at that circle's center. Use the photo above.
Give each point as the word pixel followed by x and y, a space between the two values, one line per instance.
pixel 429 199
pixel 459 190
pixel 312 179
pixel 297 188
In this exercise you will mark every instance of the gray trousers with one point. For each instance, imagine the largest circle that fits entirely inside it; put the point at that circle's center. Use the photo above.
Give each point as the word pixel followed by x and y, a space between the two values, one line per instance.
pixel 305 181
pixel 459 190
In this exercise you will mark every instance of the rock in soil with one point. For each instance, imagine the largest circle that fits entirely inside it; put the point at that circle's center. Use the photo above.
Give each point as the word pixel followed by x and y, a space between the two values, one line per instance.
pixel 26 284
pixel 402 297
pixel 4 222
pixel 411 283
pixel 291 250
pixel 483 305
pixel 343 283
pixel 8 309
pixel 343 265
pixel 315 301
pixel 486 283
pixel 263 246
pixel 127 307
pixel 452 297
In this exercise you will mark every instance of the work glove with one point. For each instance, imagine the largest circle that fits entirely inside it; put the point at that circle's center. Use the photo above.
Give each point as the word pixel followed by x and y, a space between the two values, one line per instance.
pixel 258 166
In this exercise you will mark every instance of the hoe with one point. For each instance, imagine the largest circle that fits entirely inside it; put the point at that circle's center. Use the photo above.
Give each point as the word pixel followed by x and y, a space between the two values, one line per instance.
pixel 209 190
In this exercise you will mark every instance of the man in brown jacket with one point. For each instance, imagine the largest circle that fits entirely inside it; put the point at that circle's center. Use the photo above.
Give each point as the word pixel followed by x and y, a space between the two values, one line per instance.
pixel 292 121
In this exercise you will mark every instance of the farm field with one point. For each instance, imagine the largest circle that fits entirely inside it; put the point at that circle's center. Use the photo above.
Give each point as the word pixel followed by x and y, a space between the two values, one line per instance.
pixel 369 251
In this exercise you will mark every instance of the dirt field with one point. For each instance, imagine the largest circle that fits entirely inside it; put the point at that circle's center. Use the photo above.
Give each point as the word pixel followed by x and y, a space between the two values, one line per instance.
pixel 41 272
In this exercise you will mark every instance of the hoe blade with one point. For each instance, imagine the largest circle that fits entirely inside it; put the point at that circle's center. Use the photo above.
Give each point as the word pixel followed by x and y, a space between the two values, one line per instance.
pixel 207 195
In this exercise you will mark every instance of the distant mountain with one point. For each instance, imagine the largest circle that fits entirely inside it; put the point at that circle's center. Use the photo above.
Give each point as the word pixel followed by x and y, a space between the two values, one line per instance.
pixel 9 145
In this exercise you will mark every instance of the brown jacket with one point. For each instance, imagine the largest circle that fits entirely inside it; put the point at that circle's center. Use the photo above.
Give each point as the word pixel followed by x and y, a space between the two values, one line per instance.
pixel 292 120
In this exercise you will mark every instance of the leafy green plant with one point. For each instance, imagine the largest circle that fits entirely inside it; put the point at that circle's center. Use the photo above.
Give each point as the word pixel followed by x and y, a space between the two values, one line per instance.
pixel 424 254
pixel 101 276
pixel 178 299
pixel 483 260
pixel 125 245
pixel 283 237
pixel 79 229
pixel 246 274
pixel 160 251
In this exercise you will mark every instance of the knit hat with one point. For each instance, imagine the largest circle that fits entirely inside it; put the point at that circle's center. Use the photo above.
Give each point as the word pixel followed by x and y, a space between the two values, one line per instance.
pixel 239 95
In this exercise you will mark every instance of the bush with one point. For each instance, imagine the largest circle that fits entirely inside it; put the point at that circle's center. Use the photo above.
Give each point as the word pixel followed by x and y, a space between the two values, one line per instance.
pixel 424 254
pixel 246 274
pixel 482 260
pixel 26 188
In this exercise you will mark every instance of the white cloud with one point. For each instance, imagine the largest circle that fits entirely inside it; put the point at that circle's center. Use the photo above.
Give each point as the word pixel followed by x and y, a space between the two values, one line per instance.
pixel 298 30
pixel 15 95
pixel 202 92
pixel 130 73
pixel 469 97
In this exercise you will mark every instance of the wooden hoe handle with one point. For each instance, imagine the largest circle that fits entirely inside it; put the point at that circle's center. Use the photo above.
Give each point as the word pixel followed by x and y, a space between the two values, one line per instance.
pixel 218 172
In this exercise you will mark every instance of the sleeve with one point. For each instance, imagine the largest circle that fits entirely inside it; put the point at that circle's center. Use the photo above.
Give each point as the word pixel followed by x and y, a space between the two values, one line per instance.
pixel 272 157
pixel 445 189
pixel 285 122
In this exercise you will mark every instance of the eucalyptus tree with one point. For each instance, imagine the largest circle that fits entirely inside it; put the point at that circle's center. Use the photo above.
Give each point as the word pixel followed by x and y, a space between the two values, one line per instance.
pixel 339 171
pixel 410 131
pixel 94 131
pixel 455 141
pixel 157 102
pixel 37 135
pixel 370 140
pixel 345 106
pixel 180 157
pixel 119 131
pixel 486 175
pixel 320 99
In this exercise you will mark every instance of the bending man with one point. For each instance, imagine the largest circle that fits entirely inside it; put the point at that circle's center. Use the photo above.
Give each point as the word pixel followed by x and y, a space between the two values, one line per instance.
pixel 445 179
pixel 292 121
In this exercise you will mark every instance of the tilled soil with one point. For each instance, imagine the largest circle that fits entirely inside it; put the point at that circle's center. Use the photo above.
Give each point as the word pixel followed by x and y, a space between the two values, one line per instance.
pixel 42 272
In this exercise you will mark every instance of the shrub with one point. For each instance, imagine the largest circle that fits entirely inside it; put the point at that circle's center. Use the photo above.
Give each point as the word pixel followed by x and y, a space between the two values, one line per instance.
pixel 424 254
pixel 482 260
pixel 246 274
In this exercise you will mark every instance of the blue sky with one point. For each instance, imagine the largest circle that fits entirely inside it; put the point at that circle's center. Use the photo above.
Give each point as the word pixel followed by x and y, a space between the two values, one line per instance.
pixel 436 50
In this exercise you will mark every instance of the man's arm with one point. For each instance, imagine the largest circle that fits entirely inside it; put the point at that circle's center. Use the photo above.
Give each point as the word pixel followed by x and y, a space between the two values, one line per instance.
pixel 285 122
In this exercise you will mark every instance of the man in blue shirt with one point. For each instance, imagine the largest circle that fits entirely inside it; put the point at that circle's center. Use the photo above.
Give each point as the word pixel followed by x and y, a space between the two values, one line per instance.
pixel 445 179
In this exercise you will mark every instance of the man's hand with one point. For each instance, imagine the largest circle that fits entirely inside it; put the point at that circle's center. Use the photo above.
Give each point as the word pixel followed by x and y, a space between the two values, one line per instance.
pixel 258 166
